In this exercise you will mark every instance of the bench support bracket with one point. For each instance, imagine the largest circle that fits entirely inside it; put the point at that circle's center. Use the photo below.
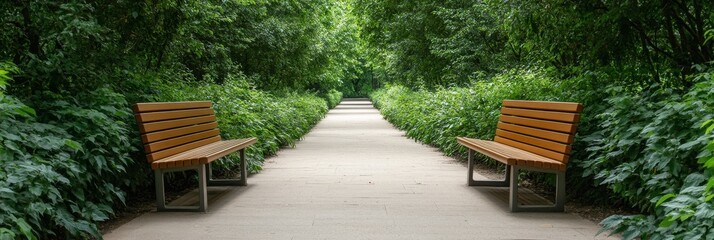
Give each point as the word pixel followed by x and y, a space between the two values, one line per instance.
pixel 161 205
pixel 204 180
pixel 486 183
pixel 558 206
pixel 511 181
pixel 242 181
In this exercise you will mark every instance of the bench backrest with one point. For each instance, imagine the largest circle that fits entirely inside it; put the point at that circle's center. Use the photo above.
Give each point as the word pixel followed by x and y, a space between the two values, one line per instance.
pixel 543 128
pixel 168 128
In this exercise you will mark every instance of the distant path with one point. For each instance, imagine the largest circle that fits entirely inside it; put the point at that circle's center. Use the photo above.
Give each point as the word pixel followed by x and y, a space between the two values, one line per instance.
pixel 354 176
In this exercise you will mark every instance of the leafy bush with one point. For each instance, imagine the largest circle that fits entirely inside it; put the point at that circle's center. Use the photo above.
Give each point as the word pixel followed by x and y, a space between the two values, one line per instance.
pixel 243 111
pixel 61 168
pixel 333 97
pixel 650 159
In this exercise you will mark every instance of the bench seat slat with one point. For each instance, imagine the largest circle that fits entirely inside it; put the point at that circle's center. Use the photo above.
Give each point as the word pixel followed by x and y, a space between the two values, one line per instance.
pixel 168 143
pixel 536 150
pixel 510 155
pixel 204 154
pixel 538 114
pixel 539 133
pixel 533 141
pixel 177 132
pixel 541 124
pixel 181 148
pixel 163 125
pixel 164 106
pixel 170 115
pixel 544 105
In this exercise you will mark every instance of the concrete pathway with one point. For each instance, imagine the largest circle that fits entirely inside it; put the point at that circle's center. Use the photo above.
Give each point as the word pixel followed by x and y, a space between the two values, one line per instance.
pixel 354 176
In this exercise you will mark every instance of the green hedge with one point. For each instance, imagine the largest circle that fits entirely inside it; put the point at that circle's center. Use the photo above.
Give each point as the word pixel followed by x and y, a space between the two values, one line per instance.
pixel 67 160
pixel 333 97
pixel 61 170
pixel 651 151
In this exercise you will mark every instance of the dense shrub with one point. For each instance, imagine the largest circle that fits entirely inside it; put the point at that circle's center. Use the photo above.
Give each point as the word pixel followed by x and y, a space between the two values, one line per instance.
pixel 333 97
pixel 647 151
pixel 61 165
pixel 243 111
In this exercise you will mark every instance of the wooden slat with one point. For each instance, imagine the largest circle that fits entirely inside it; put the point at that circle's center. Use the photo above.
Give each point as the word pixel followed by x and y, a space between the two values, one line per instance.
pixel 541 105
pixel 175 150
pixel 538 142
pixel 542 124
pixel 510 155
pixel 538 114
pixel 172 142
pixel 540 151
pixel 176 132
pixel 204 154
pixel 170 115
pixel 166 106
pixel 233 145
pixel 539 133
pixel 163 125
pixel 489 149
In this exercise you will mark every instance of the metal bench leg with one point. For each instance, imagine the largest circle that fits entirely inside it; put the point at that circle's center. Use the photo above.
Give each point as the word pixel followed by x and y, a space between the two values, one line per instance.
pixel 243 169
pixel 160 196
pixel 242 181
pixel 485 183
pixel 202 189
pixel 513 193
pixel 558 206
pixel 161 205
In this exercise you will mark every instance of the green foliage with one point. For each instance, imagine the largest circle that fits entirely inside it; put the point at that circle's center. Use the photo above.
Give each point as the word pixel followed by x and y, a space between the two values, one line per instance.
pixel 438 117
pixel 332 97
pixel 449 43
pixel 657 159
pixel 298 45
pixel 60 171
pixel 243 111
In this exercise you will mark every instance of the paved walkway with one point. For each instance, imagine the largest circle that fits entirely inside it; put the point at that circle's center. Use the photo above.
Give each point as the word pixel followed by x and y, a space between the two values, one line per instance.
pixel 356 177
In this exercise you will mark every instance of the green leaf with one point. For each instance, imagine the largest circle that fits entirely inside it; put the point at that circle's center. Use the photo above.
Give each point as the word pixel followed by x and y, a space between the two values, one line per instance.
pixel 6 234
pixel 12 146
pixel 12 137
pixel 72 144
pixel 36 190
pixel 710 128
pixel 667 222
pixel 664 198
pixel 686 216
pixel 99 216
pixel 688 146
pixel 25 228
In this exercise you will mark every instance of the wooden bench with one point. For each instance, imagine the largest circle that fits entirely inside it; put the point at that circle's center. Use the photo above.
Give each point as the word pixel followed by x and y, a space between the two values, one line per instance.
pixel 531 135
pixel 181 136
